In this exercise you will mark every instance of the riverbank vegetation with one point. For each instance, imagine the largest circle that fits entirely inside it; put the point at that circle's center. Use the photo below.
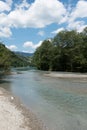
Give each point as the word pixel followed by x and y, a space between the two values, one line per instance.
pixel 10 59
pixel 67 51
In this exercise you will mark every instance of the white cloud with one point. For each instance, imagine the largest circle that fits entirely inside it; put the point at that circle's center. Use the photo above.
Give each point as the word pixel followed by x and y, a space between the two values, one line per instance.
pixel 30 46
pixel 9 2
pixel 38 44
pixel 40 14
pixel 58 30
pixel 77 25
pixel 4 21
pixel 26 51
pixel 80 10
pixel 5 6
pixel 24 5
pixel 41 33
pixel 12 47
pixel 75 18
pixel 5 32
pixel 46 12
pixel 25 15
pixel 35 14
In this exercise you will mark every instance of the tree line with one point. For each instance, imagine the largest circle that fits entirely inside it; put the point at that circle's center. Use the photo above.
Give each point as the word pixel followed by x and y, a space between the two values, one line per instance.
pixel 9 59
pixel 67 51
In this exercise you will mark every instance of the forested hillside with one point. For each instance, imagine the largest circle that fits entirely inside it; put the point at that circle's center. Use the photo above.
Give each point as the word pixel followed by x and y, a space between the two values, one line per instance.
pixel 67 51
pixel 10 59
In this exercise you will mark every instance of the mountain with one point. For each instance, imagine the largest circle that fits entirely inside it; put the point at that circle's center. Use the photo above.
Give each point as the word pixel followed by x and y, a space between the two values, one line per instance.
pixel 23 53
pixel 9 58
pixel 25 56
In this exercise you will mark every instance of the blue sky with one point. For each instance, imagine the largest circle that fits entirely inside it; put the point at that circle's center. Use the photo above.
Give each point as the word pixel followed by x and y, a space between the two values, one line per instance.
pixel 24 24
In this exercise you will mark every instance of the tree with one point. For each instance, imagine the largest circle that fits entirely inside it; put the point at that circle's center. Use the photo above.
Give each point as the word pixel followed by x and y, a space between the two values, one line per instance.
pixel 42 56
pixel 67 51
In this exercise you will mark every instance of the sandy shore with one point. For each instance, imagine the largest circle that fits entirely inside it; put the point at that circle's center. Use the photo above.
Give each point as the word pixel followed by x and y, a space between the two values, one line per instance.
pixel 66 75
pixel 14 116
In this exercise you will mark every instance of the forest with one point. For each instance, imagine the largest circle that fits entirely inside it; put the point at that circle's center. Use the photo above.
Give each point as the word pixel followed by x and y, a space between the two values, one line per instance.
pixel 67 51
pixel 9 59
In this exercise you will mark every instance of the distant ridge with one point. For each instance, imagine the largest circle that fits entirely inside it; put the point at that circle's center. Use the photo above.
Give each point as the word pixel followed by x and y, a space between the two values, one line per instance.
pixel 23 53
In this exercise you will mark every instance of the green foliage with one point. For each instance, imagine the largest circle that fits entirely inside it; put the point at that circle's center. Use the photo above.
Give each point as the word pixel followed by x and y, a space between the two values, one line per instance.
pixel 8 59
pixel 67 51
pixel 42 57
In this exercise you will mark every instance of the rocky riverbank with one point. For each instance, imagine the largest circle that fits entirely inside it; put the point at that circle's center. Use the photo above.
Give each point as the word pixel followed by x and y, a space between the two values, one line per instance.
pixel 14 116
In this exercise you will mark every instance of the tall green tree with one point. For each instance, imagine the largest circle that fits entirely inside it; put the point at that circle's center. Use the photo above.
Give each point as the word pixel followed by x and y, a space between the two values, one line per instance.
pixel 42 56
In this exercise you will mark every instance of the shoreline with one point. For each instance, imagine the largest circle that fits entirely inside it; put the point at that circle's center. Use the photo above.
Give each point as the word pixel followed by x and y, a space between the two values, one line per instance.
pixel 66 75
pixel 15 116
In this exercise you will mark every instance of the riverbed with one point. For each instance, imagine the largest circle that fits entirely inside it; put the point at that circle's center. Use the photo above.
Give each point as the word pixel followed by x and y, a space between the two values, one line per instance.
pixel 61 103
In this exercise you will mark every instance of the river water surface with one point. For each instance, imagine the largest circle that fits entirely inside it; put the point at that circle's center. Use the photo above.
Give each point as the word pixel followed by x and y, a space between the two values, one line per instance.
pixel 60 103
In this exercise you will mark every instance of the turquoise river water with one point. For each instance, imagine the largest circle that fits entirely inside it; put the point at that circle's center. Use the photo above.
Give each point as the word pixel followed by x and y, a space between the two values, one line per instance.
pixel 60 103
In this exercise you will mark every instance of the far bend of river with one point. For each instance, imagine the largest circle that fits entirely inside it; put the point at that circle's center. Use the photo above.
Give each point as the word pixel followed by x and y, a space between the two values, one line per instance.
pixel 60 103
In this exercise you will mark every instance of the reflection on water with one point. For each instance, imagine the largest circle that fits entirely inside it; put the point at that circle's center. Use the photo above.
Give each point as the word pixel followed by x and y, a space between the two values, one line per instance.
pixel 5 83
pixel 60 103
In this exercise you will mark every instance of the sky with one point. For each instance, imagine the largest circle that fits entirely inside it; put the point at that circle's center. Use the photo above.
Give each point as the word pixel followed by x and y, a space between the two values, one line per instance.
pixel 25 24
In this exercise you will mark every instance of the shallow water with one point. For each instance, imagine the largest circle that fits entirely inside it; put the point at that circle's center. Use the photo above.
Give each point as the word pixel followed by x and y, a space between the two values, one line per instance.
pixel 60 103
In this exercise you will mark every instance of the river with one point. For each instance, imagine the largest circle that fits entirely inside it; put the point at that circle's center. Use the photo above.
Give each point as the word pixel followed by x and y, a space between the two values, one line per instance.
pixel 60 103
